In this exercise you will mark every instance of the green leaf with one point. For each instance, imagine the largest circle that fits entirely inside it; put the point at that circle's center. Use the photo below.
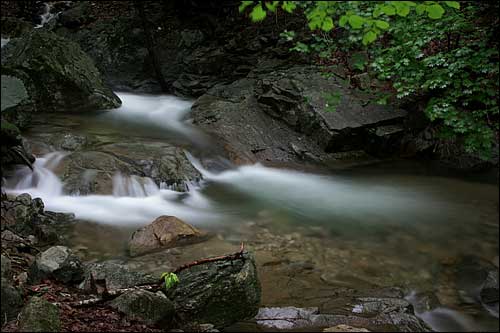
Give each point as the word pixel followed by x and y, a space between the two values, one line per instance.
pixel 171 279
pixel 382 24
pixel 343 20
pixel 356 21
pixel 369 37
pixel 388 10
pixel 435 11
pixel 402 9
pixel 258 14
pixel 244 4
pixel 272 5
pixel 288 6
pixel 420 9
pixel 327 24
pixel 453 4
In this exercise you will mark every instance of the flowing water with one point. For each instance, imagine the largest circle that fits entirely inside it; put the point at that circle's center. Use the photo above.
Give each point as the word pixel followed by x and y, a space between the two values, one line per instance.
pixel 393 223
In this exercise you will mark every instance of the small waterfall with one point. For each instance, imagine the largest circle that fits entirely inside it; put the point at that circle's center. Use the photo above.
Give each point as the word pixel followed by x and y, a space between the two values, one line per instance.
pixel 133 186
pixel 135 200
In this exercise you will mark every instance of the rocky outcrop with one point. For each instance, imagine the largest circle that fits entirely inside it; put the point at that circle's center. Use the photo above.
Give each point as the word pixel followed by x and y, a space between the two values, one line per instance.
pixel 151 308
pixel 57 262
pixel 165 232
pixel 221 293
pixel 58 75
pixel 27 217
pixel 17 104
pixel 295 114
pixel 39 316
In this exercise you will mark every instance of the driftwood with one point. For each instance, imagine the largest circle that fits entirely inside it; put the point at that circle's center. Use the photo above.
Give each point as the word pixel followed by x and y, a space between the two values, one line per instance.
pixel 107 295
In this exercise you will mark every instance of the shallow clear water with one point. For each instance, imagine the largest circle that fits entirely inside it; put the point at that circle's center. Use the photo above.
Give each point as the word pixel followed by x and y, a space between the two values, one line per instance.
pixel 397 223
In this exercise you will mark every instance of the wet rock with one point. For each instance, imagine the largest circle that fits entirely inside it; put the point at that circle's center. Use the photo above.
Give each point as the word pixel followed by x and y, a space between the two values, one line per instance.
pixel 39 316
pixel 13 151
pixel 58 262
pixel 424 302
pixel 114 276
pixel 292 318
pixel 285 115
pixel 374 306
pixel 285 318
pixel 11 301
pixel 345 328
pixel 145 306
pixel 17 104
pixel 91 167
pixel 165 232
pixel 221 292
pixel 75 16
pixel 60 76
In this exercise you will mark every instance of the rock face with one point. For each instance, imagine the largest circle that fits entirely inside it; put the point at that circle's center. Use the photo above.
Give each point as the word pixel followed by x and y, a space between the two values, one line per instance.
pixel 153 309
pixel 13 151
pixel 295 114
pixel 164 232
pixel 115 276
pixel 221 293
pixel 60 263
pixel 59 76
pixel 39 316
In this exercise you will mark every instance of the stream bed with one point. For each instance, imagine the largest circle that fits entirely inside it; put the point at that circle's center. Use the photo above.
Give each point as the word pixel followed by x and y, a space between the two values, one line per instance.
pixel 319 238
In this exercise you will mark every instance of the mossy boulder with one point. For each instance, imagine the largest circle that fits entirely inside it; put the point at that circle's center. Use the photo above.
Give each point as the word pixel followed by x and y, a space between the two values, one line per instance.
pixel 39 316
pixel 61 77
pixel 220 292
pixel 151 308
pixel 11 301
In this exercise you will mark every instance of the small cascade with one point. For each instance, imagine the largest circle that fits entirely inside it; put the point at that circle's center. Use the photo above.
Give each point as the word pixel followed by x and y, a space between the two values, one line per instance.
pixel 133 186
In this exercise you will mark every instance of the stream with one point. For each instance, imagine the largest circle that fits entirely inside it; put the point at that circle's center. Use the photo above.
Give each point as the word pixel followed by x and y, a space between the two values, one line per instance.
pixel 395 223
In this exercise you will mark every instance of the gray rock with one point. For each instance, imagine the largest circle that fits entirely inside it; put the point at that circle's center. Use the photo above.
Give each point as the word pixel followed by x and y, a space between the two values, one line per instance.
pixel 374 306
pixel 221 292
pixel 146 306
pixel 11 300
pixel 39 316
pixel 17 105
pixel 115 276
pixel 61 77
pixel 286 116
pixel 164 232
pixel 6 267
pixel 60 263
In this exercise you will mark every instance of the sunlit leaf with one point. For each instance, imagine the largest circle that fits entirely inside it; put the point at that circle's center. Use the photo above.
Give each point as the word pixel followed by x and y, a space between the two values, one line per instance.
pixel 435 11
pixel 356 21
pixel 258 14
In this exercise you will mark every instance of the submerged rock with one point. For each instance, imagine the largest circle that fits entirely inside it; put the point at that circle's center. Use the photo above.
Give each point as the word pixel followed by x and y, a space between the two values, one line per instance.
pixel 60 76
pixel 39 316
pixel 165 232
pixel 60 263
pixel 221 292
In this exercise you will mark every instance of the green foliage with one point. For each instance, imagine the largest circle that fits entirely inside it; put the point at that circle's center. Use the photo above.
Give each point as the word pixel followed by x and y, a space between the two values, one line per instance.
pixel 171 280
pixel 430 48
pixel 332 101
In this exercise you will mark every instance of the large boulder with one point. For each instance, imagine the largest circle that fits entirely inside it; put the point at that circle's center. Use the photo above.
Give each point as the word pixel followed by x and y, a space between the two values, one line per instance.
pixel 294 114
pixel 151 308
pixel 60 263
pixel 163 233
pixel 60 76
pixel 221 292
pixel 39 315
pixel 13 151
